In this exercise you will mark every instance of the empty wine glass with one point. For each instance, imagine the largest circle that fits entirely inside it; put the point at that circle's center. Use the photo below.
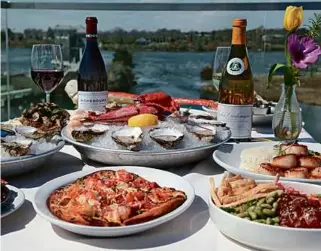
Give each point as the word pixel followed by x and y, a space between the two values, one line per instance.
pixel 220 60
pixel 46 67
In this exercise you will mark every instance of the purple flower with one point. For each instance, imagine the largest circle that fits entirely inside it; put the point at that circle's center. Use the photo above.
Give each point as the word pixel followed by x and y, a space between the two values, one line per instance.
pixel 303 51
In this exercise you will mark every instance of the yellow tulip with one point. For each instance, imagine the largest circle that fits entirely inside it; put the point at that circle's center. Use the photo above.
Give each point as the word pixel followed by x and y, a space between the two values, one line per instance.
pixel 293 17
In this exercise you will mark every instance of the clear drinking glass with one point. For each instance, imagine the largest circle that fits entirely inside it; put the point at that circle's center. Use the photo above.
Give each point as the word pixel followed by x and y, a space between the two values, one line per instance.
pixel 220 60
pixel 47 67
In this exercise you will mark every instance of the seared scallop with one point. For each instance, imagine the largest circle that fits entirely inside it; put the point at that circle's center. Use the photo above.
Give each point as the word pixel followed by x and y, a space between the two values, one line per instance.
pixel 296 149
pixel 310 162
pixel 285 161
pixel 298 172
pixel 316 173
pixel 268 169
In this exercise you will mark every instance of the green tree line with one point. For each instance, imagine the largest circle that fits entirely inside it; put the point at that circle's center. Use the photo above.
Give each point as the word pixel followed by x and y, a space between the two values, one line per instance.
pixel 159 40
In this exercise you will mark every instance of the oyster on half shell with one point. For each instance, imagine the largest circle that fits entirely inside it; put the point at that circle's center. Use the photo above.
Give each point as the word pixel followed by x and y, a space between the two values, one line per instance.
pixel 31 132
pixel 88 132
pixel 203 132
pixel 129 137
pixel 15 148
pixel 204 119
pixel 166 137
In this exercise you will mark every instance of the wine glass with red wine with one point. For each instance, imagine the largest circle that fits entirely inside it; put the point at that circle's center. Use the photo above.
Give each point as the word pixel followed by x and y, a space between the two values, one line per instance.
pixel 47 67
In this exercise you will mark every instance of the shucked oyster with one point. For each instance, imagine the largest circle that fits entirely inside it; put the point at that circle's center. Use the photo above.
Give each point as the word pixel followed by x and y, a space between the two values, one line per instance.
pixel 204 119
pixel 4 192
pixel 15 149
pixel 129 137
pixel 31 132
pixel 203 132
pixel 166 137
pixel 87 132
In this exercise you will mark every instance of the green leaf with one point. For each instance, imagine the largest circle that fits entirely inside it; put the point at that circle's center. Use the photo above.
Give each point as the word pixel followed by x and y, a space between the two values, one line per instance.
pixel 289 76
pixel 272 71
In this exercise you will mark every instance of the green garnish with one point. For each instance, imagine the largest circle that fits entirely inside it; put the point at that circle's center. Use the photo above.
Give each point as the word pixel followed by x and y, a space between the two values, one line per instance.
pixel 229 209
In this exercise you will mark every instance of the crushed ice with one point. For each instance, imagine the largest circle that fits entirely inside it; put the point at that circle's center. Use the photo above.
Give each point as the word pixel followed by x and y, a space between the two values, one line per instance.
pixel 37 146
pixel 189 140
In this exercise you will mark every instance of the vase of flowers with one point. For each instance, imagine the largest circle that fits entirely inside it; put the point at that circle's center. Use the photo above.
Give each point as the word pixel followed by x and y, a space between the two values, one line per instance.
pixel 300 52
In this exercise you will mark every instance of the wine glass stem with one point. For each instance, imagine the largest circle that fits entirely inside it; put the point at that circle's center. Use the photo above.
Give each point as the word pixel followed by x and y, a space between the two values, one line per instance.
pixel 47 97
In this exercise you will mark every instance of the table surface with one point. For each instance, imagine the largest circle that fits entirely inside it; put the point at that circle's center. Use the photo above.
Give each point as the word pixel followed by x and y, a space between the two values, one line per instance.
pixel 25 230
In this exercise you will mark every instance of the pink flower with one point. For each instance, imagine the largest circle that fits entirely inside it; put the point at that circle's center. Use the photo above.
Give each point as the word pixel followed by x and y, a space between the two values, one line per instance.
pixel 303 51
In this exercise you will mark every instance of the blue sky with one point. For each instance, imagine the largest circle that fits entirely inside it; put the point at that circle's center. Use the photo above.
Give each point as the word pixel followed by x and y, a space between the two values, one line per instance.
pixel 19 20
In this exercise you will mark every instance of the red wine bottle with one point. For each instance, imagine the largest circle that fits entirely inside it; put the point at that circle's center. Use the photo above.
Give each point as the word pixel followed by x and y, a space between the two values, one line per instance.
pixel 92 76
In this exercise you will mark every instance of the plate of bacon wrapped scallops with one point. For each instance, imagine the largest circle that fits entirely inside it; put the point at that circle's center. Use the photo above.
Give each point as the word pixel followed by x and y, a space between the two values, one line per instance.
pixel 291 161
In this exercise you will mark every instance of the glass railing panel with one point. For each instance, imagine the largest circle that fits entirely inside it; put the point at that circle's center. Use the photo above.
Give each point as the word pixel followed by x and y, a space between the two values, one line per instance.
pixel 169 51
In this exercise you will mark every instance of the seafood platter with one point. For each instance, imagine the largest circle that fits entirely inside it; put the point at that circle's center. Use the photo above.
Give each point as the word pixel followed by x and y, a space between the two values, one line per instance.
pixel 291 161
pixel 151 131
pixel 29 141
pixel 271 214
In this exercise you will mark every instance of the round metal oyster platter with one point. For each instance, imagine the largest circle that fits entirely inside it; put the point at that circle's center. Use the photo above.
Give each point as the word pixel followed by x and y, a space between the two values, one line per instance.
pixel 160 159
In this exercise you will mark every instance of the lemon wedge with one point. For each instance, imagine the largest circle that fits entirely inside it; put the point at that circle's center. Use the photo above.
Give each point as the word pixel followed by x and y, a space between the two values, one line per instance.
pixel 142 120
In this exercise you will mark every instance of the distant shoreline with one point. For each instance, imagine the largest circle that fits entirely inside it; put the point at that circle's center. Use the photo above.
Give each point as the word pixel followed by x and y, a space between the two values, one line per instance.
pixel 167 40
pixel 139 48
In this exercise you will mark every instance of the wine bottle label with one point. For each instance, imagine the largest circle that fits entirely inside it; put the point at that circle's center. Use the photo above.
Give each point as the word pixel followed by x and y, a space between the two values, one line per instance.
pixel 235 66
pixel 91 35
pixel 94 101
pixel 238 118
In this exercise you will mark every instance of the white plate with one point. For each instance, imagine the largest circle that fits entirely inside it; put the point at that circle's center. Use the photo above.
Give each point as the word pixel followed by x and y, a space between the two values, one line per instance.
pixel 18 198
pixel 266 237
pixel 163 178
pixel 228 156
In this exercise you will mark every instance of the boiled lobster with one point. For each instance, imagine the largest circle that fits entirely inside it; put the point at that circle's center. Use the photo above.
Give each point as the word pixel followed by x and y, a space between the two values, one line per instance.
pixel 157 103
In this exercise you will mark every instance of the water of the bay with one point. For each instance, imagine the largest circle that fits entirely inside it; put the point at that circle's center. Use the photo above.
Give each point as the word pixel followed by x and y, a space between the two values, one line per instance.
pixel 176 73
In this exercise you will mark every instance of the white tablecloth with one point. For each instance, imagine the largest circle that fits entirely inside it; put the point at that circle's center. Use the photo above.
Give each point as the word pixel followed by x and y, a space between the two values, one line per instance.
pixel 193 230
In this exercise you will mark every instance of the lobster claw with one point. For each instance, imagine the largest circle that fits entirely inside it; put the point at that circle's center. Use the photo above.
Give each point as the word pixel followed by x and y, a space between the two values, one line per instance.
pixel 160 98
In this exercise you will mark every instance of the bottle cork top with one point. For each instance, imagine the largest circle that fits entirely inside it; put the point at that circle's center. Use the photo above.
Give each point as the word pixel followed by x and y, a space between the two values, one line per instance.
pixel 91 20
pixel 239 22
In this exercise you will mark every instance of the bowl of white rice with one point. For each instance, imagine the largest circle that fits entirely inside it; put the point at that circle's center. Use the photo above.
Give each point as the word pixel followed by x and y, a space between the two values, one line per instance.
pixel 251 158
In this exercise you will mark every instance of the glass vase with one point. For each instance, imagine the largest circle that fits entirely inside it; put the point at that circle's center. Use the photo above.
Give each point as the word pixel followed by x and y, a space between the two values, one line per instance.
pixel 287 118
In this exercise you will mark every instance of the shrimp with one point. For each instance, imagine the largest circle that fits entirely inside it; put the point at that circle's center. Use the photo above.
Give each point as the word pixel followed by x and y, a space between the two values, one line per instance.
pixel 268 169
pixel 310 162
pixel 316 173
pixel 298 172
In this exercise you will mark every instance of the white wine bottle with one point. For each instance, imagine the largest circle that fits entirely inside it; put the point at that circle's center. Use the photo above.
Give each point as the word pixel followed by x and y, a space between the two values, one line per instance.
pixel 236 89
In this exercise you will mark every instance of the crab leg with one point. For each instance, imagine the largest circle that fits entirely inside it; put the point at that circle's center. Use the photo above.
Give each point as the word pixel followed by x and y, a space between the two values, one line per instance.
pixel 128 98
pixel 194 101
pixel 121 113
pixel 124 113
pixel 121 97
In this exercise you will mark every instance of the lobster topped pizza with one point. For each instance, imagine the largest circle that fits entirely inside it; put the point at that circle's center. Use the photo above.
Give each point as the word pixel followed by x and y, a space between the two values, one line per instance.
pixel 113 198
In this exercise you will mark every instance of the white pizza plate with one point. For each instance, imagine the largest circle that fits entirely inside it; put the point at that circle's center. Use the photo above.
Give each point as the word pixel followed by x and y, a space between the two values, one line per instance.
pixel 163 178
pixel 228 157
pixel 266 237
pixel 15 201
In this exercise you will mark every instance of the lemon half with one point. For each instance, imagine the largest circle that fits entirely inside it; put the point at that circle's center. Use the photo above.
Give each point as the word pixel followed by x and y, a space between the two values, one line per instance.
pixel 142 120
